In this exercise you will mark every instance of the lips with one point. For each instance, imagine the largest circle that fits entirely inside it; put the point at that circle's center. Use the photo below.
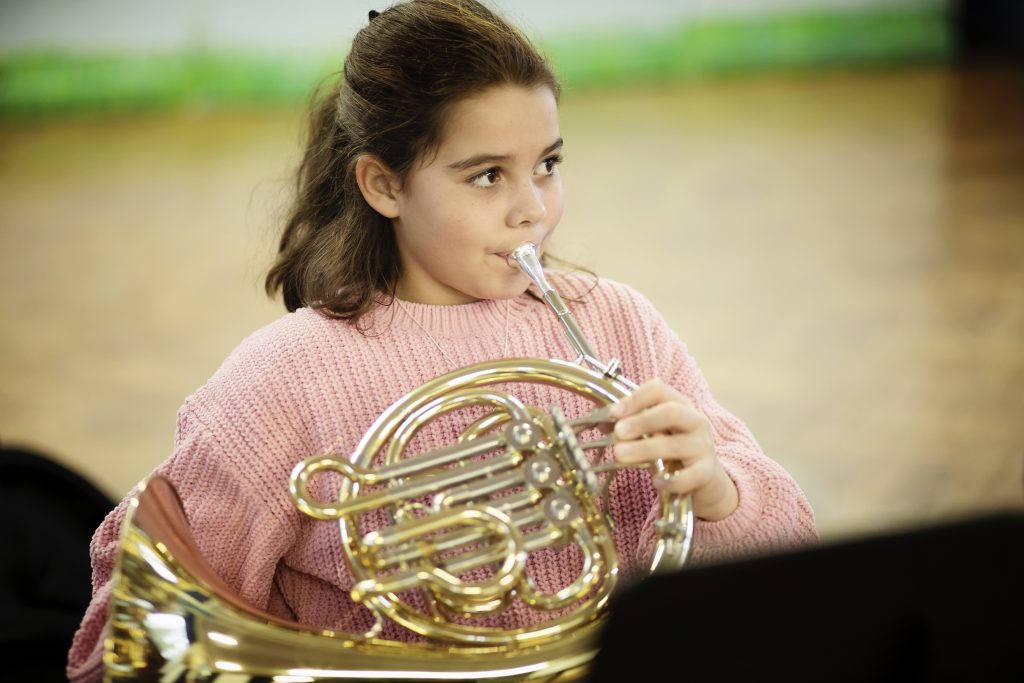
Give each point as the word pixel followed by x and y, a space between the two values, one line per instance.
pixel 503 255
pixel 505 252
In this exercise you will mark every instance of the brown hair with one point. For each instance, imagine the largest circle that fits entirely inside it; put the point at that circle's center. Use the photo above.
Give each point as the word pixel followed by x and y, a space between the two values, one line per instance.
pixel 406 68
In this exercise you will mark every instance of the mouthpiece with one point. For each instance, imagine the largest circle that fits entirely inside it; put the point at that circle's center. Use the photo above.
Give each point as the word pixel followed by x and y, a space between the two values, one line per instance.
pixel 525 256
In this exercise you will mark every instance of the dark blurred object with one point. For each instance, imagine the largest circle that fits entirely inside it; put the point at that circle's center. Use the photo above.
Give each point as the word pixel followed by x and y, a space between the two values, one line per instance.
pixel 47 518
pixel 939 604
pixel 989 30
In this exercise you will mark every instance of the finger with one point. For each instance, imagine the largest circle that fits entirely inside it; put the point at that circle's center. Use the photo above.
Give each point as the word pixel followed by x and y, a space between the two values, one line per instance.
pixel 686 480
pixel 669 417
pixel 686 448
pixel 646 395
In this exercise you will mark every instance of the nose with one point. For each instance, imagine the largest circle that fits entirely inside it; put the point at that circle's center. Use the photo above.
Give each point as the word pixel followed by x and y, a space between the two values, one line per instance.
pixel 528 206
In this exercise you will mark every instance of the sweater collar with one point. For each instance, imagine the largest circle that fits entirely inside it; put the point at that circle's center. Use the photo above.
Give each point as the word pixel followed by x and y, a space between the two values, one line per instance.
pixel 477 319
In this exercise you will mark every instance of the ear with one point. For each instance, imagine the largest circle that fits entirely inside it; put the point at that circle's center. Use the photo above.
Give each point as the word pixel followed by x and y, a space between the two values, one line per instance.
pixel 379 185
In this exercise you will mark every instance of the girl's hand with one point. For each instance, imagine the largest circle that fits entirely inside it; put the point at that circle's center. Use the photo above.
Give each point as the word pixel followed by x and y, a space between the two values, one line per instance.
pixel 656 422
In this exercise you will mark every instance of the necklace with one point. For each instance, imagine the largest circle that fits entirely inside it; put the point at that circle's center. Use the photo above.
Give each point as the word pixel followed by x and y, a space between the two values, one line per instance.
pixel 451 361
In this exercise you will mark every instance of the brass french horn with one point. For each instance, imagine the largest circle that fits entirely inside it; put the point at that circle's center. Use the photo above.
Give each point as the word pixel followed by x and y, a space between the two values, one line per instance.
pixel 464 520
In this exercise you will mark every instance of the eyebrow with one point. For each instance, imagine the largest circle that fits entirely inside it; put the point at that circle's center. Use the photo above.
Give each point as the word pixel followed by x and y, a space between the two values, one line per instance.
pixel 480 159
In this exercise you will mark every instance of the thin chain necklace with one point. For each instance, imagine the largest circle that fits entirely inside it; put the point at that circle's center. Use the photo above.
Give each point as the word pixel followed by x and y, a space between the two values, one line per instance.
pixel 451 361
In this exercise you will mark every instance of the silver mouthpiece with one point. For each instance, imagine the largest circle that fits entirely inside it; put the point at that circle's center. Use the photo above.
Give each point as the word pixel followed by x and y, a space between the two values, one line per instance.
pixel 525 256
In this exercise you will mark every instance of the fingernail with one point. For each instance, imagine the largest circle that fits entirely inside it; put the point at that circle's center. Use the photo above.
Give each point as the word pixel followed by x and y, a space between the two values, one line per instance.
pixel 624 429
pixel 615 411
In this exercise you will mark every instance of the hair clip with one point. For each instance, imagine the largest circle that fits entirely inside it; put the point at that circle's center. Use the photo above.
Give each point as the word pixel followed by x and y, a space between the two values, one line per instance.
pixel 374 14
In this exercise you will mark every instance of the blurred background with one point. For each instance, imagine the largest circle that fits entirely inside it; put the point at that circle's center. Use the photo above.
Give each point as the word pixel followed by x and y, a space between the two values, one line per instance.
pixel 825 198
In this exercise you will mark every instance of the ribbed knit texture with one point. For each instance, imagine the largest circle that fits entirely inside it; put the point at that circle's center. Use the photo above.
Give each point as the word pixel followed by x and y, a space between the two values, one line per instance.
pixel 307 384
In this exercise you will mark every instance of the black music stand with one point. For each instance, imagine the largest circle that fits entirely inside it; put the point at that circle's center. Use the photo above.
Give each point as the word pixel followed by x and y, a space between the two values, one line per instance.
pixel 48 514
pixel 939 604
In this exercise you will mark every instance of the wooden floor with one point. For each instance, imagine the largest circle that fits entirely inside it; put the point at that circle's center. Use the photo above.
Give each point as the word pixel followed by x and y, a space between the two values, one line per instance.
pixel 843 252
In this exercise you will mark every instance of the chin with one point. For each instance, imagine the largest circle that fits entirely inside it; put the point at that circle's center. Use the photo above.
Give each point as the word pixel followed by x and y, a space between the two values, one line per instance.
pixel 516 287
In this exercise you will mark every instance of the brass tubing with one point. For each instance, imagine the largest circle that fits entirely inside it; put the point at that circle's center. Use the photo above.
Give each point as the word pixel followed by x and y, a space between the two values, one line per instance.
pixel 493 521
pixel 408 488
pixel 468 492
pixel 413 550
pixel 440 456
pixel 426 484
pixel 464 397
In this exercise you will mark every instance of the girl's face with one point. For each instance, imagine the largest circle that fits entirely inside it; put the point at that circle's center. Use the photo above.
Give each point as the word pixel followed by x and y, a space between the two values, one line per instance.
pixel 492 185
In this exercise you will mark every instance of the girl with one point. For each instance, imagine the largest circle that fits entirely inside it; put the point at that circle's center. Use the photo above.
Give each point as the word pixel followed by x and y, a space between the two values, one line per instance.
pixel 435 155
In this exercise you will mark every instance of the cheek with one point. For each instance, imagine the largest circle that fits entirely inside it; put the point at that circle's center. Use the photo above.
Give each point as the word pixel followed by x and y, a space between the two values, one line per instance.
pixel 454 232
pixel 554 202
pixel 440 222
pixel 465 220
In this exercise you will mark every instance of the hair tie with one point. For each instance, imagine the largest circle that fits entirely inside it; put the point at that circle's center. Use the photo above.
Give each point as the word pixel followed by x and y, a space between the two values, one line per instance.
pixel 374 14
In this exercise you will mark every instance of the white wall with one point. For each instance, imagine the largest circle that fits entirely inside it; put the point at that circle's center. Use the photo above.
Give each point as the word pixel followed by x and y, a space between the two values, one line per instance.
pixel 307 26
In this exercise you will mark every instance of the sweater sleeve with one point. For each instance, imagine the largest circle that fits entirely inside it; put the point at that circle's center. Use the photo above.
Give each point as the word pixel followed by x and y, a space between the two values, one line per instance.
pixel 237 532
pixel 773 512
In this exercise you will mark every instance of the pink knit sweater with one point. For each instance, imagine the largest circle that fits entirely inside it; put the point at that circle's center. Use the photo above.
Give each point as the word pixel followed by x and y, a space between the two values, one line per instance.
pixel 307 384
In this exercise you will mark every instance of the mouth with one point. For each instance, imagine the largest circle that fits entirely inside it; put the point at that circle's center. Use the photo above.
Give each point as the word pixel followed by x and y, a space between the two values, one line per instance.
pixel 506 256
pixel 507 260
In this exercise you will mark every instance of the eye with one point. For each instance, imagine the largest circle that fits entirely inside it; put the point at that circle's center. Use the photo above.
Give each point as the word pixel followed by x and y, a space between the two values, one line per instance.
pixel 486 179
pixel 547 167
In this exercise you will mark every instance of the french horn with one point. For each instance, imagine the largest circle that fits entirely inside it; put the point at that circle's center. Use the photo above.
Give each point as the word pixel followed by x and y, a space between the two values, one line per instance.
pixel 463 522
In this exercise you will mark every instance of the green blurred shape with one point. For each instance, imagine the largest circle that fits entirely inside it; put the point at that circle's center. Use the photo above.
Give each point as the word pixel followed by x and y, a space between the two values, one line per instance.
pixel 806 40
pixel 49 84
pixel 53 83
